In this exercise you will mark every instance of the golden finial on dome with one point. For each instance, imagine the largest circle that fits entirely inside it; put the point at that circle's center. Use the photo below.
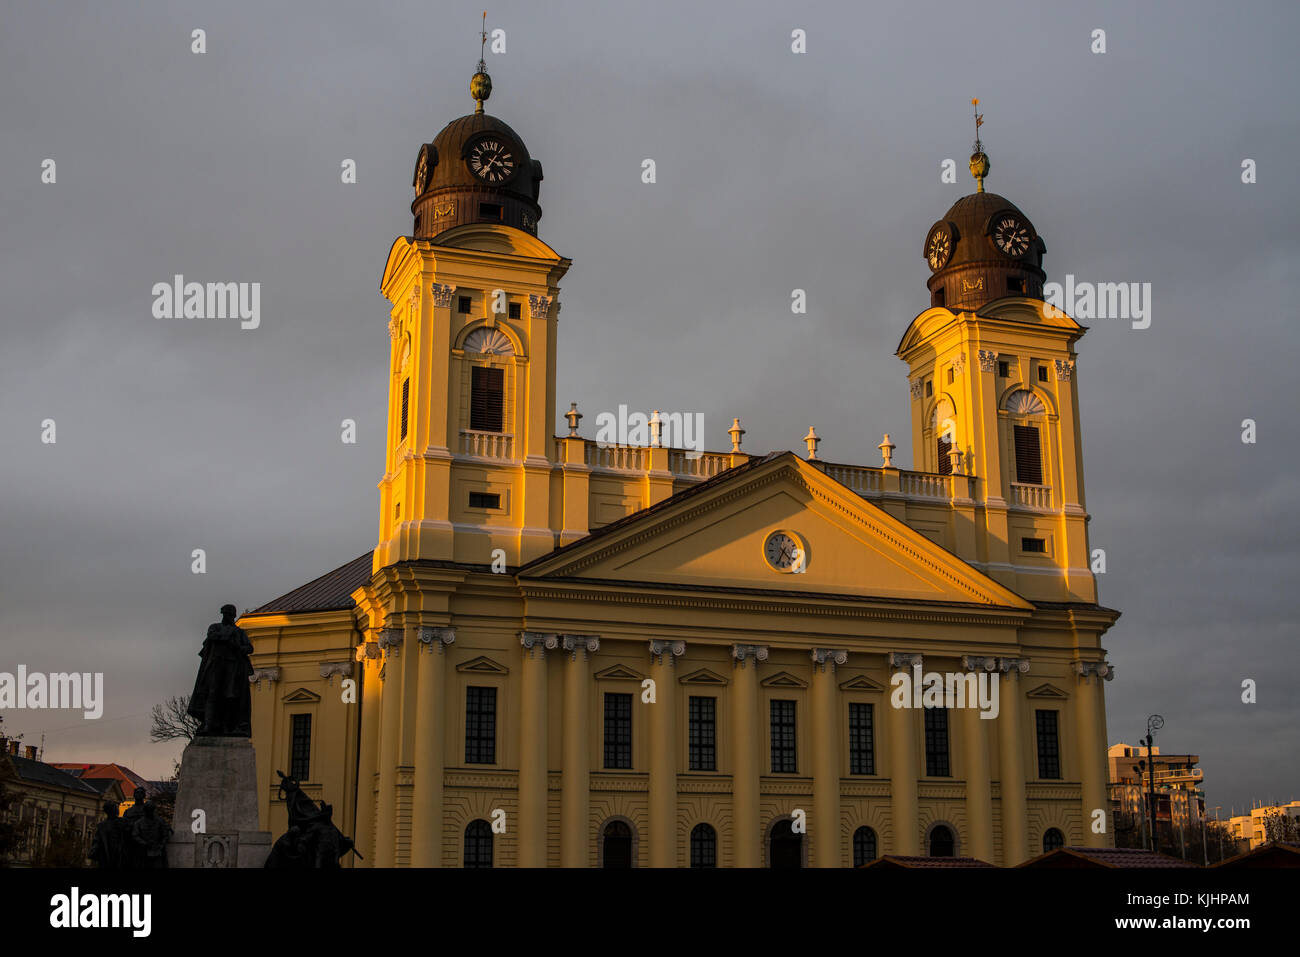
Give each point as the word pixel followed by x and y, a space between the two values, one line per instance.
pixel 979 161
pixel 480 85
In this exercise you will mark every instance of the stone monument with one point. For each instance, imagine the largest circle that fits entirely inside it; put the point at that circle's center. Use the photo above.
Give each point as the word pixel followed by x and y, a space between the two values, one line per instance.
pixel 215 821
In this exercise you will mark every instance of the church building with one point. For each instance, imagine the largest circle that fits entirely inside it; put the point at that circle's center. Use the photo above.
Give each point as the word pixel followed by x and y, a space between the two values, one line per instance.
pixel 563 653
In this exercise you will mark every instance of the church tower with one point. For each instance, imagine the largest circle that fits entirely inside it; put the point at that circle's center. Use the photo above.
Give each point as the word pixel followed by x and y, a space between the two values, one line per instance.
pixel 995 396
pixel 471 406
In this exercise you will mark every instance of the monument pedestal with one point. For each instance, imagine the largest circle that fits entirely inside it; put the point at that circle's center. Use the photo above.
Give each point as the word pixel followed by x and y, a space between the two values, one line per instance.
pixel 218 776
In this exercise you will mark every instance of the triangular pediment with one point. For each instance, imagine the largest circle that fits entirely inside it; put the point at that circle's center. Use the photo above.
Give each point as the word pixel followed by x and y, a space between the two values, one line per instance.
pixel 703 677
pixel 482 665
pixel 1047 690
pixel 861 683
pixel 783 679
pixel 301 696
pixel 716 535
pixel 619 673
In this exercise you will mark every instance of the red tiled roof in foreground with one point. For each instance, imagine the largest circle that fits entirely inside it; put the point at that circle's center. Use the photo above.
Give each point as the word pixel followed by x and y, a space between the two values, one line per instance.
pixel 1109 857
pixel 890 861
pixel 331 592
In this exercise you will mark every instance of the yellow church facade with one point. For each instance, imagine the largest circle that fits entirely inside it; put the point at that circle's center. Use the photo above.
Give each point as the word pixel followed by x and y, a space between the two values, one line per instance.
pixel 567 653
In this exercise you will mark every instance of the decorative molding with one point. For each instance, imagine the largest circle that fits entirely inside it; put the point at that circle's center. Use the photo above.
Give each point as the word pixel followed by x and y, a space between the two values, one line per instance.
pixel 860 683
pixel 271 675
pixel 539 642
pixel 442 293
pixel 660 647
pixel 539 306
pixel 430 637
pixel 905 659
pixel 836 656
pixel 414 299
pixel 1047 690
pixel 390 641
pixel 1101 669
pixel 783 679
pixel 618 673
pixel 978 663
pixel 301 696
pixel 959 363
pixel 328 669
pixel 394 328
pixel 703 676
pixel 589 644
pixel 742 653
pixel 489 342
pixel 1024 402
pixel 1020 665
pixel 368 650
pixel 988 360
pixel 916 388
pixel 1065 369
pixel 482 665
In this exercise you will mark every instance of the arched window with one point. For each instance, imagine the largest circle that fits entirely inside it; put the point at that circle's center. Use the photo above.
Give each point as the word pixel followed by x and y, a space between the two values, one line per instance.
pixel 942 843
pixel 616 843
pixel 864 846
pixel 478 844
pixel 704 846
pixel 1027 436
pixel 1052 840
pixel 943 424
pixel 784 847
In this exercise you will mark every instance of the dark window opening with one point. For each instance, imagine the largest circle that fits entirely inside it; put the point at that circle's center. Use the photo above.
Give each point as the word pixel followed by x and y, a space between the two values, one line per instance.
pixel 862 751
pixel 490 210
pixel 945 460
pixel 462 305
pixel 1053 840
pixel 1003 370
pixel 1015 284
pixel 406 404
pixel 782 715
pixel 617 843
pixel 942 843
pixel 929 388
pixel 703 733
pixel 704 845
pixel 300 748
pixel 480 725
pixel 939 296
pixel 952 375
pixel 785 847
pixel 514 310
pixel 1029 460
pixel 1049 745
pixel 1042 373
pixel 478 844
pixel 487 396
pixel 864 846
pixel 1033 545
pixel 484 500
pixel 936 743
pixel 618 731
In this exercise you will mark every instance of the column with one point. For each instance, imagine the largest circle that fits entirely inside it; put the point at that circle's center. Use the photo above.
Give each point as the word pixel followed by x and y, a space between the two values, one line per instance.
pixel 975 747
pixel 368 759
pixel 1011 757
pixel 746 839
pixel 663 753
pixel 904 809
pixel 1090 716
pixel 531 833
pixel 827 841
pixel 390 734
pixel 430 740
pixel 575 806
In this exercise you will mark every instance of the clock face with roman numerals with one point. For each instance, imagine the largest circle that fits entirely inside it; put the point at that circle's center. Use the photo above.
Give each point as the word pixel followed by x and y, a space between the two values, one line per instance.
pixel 1011 235
pixel 938 247
pixel 492 160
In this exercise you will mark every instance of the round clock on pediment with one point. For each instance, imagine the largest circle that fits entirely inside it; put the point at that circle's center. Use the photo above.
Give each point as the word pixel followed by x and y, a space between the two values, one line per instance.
pixel 785 552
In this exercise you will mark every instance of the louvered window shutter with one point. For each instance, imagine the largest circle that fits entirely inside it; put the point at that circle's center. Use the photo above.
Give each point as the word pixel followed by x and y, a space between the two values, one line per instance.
pixel 945 463
pixel 487 395
pixel 1029 459
pixel 406 403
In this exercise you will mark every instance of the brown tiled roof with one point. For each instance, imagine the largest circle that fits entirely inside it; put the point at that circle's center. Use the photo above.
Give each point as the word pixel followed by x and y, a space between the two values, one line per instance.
pixel 1272 854
pixel 1105 857
pixel 899 860
pixel 331 592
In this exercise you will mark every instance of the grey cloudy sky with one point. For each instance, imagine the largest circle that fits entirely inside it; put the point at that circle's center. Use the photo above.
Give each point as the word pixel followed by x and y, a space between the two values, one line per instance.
pixel 775 171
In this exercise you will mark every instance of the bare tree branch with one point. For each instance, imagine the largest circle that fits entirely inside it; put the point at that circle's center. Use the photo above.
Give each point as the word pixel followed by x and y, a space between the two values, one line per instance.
pixel 172 720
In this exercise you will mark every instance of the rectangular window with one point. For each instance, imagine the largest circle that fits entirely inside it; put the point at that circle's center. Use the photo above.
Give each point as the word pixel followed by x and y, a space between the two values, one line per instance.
pixel 514 310
pixel 936 742
pixel 462 305
pixel 939 296
pixel 487 395
pixel 406 403
pixel 945 461
pixel 1033 545
pixel 1029 459
pixel 703 733
pixel 1049 745
pixel 300 747
pixel 929 388
pixel 1004 370
pixel 952 375
pixel 862 748
pixel 618 731
pixel 480 725
pixel 781 714
pixel 489 210
pixel 1042 373
pixel 1015 284
pixel 484 500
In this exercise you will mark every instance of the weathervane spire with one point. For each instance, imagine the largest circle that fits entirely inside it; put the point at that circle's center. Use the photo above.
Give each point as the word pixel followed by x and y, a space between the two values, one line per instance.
pixel 480 85
pixel 979 162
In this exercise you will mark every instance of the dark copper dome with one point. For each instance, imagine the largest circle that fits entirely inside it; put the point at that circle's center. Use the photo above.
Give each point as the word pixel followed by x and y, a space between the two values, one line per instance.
pixel 476 170
pixel 984 248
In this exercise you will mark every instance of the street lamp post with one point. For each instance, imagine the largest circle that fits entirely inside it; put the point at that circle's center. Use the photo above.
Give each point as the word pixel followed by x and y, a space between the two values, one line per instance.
pixel 1154 723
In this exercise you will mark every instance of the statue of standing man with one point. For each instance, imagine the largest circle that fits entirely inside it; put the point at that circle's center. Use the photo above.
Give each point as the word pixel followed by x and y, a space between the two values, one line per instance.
pixel 222 701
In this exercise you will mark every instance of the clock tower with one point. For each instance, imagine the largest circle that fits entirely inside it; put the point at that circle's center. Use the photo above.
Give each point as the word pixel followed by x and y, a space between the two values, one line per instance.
pixel 471 405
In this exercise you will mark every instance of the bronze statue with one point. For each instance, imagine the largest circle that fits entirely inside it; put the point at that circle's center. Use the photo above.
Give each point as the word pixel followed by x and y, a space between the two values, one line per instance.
pixel 221 701
pixel 312 841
